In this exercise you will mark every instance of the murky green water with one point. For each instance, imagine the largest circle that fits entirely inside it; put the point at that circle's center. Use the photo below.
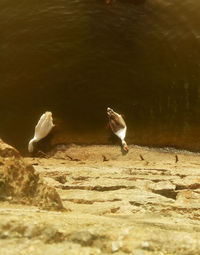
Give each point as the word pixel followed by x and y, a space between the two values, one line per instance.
pixel 75 58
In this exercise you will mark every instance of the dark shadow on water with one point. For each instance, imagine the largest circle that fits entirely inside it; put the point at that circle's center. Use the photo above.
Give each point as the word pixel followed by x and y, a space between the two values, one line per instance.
pixel 136 2
pixel 113 139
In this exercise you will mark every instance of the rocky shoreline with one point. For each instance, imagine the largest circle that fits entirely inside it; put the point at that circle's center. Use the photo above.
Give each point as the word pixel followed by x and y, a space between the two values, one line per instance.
pixel 95 200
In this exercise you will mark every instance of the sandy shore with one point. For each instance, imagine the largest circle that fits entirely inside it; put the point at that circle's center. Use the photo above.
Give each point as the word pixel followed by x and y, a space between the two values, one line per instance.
pixel 144 202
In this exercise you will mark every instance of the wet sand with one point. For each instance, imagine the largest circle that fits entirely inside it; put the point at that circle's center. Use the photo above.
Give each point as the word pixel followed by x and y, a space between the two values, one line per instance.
pixel 144 202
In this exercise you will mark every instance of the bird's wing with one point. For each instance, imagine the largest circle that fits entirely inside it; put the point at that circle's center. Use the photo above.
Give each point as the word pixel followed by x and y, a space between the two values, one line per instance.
pixel 44 126
pixel 121 133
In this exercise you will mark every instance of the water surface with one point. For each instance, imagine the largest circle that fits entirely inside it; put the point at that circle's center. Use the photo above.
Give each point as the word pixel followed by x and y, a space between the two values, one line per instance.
pixel 75 58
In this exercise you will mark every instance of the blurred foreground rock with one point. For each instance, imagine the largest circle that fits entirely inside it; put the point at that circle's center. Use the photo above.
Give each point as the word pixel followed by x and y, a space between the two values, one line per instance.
pixel 19 182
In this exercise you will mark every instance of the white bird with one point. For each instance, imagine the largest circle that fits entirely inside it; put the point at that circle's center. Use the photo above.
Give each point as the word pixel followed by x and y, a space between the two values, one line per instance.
pixel 42 129
pixel 118 126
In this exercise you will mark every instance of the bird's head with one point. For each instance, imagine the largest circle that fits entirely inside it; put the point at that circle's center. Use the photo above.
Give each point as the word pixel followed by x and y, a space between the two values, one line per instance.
pixel 109 111
pixel 125 146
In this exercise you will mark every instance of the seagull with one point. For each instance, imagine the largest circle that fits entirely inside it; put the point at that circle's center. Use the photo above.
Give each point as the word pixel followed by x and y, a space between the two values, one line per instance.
pixel 42 129
pixel 118 126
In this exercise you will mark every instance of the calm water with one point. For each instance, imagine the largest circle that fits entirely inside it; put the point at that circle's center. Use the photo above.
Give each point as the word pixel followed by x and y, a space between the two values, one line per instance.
pixel 75 58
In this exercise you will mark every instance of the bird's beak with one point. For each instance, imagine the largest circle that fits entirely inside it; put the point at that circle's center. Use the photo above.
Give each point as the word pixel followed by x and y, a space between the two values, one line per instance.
pixel 126 148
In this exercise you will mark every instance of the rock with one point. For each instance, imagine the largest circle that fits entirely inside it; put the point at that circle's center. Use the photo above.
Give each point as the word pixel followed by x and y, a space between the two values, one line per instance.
pixel 7 150
pixel 139 252
pixel 146 246
pixel 122 206
pixel 19 182
pixel 164 188
pixel 189 182
pixel 84 238
pixel 188 197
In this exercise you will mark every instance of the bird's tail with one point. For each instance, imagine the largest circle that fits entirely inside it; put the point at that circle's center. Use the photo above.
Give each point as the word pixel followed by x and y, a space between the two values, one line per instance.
pixel 30 145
